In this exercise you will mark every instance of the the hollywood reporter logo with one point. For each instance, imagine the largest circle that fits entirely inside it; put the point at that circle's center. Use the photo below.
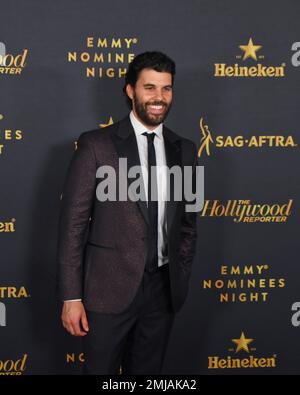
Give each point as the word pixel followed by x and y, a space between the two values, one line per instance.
pixel 186 185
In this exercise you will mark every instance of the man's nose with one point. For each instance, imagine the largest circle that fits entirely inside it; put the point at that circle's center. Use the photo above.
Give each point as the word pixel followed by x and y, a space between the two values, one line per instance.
pixel 159 95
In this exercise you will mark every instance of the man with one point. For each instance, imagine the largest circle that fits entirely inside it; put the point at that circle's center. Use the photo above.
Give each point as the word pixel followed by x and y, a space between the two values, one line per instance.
pixel 124 265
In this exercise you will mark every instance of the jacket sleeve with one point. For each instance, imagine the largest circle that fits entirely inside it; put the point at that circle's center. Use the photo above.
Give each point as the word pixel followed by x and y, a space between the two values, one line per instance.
pixel 188 234
pixel 76 206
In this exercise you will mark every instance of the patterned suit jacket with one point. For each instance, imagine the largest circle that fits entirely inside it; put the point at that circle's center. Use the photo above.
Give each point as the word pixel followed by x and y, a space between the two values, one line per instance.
pixel 102 246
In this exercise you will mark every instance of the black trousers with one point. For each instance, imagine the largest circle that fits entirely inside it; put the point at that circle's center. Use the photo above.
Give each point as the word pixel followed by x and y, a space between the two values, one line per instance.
pixel 136 339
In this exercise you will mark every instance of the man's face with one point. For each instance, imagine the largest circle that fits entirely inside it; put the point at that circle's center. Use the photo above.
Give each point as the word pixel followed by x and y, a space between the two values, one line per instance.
pixel 151 97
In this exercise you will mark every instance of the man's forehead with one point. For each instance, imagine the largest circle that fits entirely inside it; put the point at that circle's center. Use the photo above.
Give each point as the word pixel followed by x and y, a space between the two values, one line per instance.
pixel 150 76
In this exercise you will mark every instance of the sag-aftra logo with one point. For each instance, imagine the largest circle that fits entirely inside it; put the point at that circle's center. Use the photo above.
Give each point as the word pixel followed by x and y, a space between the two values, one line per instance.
pixel 233 140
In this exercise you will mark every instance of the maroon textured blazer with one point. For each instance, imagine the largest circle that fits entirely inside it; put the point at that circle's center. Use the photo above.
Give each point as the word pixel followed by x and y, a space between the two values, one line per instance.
pixel 102 246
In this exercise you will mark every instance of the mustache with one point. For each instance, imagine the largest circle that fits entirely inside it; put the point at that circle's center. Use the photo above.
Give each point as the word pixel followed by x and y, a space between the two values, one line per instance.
pixel 157 103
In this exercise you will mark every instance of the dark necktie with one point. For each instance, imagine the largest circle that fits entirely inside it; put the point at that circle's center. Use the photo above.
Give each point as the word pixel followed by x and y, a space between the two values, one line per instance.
pixel 152 257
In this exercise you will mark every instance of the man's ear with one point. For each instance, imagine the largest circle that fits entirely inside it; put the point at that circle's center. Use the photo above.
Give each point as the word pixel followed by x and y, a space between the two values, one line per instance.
pixel 129 91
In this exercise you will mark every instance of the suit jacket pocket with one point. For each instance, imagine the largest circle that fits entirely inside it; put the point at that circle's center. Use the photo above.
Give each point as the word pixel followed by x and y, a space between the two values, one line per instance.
pixel 99 265
pixel 100 244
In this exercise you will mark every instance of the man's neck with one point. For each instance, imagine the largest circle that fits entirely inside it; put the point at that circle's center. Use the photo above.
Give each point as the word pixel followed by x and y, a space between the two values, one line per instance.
pixel 149 127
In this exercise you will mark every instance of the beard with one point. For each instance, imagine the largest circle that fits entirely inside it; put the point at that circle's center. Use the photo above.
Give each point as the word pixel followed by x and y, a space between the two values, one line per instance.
pixel 148 118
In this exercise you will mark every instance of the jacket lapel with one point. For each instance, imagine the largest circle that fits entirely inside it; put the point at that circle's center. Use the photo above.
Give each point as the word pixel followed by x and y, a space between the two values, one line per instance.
pixel 173 158
pixel 126 146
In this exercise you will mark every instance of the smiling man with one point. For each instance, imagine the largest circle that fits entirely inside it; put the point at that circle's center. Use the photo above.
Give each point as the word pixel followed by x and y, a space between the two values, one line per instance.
pixel 124 266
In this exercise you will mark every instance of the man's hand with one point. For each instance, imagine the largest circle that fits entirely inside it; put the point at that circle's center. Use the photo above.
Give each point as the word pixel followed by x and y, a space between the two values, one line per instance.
pixel 74 318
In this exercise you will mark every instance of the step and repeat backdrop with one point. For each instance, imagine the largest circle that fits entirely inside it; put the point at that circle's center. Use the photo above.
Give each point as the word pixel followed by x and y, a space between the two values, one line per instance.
pixel 236 95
